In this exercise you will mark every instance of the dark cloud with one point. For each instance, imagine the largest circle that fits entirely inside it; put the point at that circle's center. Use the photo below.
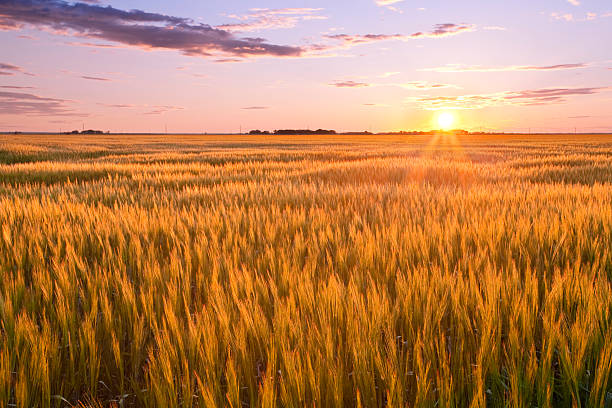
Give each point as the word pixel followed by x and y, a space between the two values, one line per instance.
pixel 18 103
pixel 135 28
pixel 349 84
pixel 10 69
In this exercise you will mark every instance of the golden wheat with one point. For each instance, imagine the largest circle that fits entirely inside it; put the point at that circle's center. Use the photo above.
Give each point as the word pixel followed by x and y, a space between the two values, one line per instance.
pixel 391 271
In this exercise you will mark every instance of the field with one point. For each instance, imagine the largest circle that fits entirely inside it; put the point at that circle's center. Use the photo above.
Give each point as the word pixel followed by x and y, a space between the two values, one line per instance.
pixel 380 271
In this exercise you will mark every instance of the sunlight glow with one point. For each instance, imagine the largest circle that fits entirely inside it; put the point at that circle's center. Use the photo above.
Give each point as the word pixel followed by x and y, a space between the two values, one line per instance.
pixel 446 120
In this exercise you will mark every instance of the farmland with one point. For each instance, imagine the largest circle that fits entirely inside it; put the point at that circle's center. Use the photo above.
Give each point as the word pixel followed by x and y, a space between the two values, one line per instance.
pixel 370 271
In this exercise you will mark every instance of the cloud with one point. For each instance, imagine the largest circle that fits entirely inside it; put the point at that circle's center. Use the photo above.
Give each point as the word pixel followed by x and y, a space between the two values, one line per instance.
pixel 16 87
pixel 18 103
pixel 574 2
pixel 477 68
pixel 148 109
pixel 565 16
pixel 494 28
pixel 10 69
pixel 384 3
pixel 589 16
pixel 517 98
pixel 389 74
pixel 117 106
pixel 414 85
pixel 161 109
pixel 270 19
pixel 135 28
pixel 91 78
pixel 349 84
pixel 445 30
pixel 388 4
pixel 91 44
pixel 228 60
pixel 351 40
pixel 255 108
pixel 421 85
pixel 439 30
pixel 378 105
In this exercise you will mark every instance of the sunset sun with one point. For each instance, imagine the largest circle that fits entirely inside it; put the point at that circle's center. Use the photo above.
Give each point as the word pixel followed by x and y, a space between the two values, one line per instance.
pixel 446 120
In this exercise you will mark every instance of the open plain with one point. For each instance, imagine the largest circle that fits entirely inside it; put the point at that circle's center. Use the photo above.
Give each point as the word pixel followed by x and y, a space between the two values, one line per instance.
pixel 446 271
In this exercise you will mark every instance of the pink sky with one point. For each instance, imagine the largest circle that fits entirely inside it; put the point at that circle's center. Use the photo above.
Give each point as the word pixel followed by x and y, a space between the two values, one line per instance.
pixel 142 66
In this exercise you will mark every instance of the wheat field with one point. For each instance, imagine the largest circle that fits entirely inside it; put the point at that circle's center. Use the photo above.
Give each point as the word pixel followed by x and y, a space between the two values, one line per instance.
pixel 336 271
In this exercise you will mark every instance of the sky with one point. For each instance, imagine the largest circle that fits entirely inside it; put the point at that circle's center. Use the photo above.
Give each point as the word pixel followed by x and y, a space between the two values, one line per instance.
pixel 199 66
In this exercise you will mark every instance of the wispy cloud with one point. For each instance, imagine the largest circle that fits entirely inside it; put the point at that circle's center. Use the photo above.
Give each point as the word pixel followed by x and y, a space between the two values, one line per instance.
pixel 389 74
pixel 445 30
pixel 19 103
pixel 570 17
pixel 535 97
pixel 135 28
pixel 357 39
pixel 349 84
pixel 255 108
pixel 268 19
pixel 161 109
pixel 10 69
pixel 384 3
pixel 562 16
pixel 91 78
pixel 439 31
pixel 479 68
pixel 413 85
pixel 378 105
pixel 574 2
pixel 388 4
pixel 16 87
pixel 145 109
pixel 117 106
pixel 420 85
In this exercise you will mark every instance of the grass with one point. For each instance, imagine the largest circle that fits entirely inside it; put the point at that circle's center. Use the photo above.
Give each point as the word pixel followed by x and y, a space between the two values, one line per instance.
pixel 335 271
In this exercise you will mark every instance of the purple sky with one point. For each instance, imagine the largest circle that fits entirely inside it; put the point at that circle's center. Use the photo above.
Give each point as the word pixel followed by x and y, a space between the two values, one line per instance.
pixel 139 66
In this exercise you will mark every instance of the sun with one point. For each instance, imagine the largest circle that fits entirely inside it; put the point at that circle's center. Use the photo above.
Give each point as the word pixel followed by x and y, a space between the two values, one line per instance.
pixel 446 120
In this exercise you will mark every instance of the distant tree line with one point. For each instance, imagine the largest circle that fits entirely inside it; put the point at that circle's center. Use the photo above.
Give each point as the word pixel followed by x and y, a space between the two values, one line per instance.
pixel 333 132
pixel 86 132
pixel 294 132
